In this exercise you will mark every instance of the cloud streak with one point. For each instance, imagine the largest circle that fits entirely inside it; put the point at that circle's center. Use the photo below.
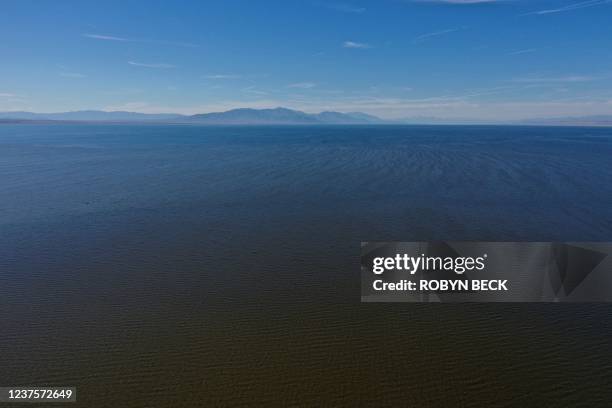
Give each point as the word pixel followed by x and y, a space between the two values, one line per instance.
pixel 222 76
pixel 104 37
pixel 571 7
pixel 302 85
pixel 427 36
pixel 253 90
pixel 525 51
pixel 563 79
pixel 355 45
pixel 147 65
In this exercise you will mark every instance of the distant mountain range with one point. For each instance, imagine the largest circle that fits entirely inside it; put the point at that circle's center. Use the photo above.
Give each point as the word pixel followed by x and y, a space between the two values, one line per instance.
pixel 281 116
pixel 232 117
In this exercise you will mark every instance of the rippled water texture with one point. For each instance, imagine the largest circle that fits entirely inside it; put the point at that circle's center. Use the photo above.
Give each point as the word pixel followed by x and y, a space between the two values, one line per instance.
pixel 184 265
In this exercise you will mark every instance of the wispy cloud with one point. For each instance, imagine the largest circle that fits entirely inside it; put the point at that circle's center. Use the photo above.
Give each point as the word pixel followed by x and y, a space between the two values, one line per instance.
pixel 552 79
pixel 427 36
pixel 571 7
pixel 105 37
pixel 302 85
pixel 524 51
pixel 345 7
pixel 222 76
pixel 131 107
pixel 354 44
pixel 72 75
pixel 7 95
pixel 253 90
pixel 146 65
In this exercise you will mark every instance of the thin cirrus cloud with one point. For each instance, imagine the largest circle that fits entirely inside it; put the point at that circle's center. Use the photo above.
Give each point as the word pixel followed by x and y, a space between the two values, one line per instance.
pixel 571 7
pixel 427 36
pixel 356 45
pixel 148 65
pixel 302 85
pixel 253 90
pixel 563 79
pixel 222 76
pixel 104 37
pixel 524 51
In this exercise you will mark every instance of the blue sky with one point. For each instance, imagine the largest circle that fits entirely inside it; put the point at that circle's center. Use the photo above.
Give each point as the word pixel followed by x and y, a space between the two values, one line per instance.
pixel 504 59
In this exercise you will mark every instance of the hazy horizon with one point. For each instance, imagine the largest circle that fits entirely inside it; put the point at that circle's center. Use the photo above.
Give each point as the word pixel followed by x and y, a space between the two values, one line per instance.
pixel 167 117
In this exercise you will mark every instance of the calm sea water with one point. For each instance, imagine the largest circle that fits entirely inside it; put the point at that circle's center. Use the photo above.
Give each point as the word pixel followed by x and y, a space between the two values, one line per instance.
pixel 185 265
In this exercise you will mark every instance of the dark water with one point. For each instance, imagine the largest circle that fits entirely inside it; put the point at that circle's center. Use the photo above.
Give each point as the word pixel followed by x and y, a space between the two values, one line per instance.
pixel 194 266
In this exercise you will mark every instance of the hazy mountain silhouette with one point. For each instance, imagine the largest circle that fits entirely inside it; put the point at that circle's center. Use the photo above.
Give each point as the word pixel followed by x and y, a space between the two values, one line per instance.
pixel 234 116
pixel 281 116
